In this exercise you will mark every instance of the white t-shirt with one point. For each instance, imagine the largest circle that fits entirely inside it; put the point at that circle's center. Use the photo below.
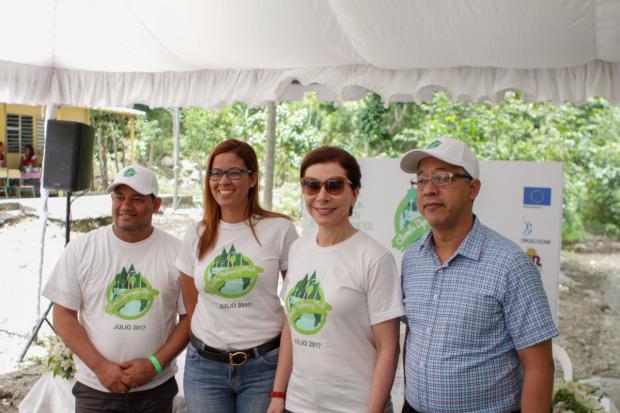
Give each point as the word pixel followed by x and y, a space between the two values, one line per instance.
pixel 332 296
pixel 128 296
pixel 238 306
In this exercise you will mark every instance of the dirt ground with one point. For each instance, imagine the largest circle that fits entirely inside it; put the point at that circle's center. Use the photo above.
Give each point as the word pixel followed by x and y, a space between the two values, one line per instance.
pixel 589 314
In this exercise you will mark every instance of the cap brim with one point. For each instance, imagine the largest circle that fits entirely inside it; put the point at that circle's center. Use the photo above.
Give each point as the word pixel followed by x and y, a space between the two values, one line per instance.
pixel 113 186
pixel 409 162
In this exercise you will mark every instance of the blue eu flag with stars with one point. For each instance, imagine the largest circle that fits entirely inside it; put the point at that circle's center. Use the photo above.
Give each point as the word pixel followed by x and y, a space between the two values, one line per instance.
pixel 539 196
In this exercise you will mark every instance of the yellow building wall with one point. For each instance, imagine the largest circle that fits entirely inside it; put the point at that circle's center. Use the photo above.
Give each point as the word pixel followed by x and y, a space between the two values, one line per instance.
pixel 64 113
pixel 73 113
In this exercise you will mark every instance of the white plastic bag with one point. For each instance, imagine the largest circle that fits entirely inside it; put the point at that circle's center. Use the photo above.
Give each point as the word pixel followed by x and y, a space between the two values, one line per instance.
pixel 49 394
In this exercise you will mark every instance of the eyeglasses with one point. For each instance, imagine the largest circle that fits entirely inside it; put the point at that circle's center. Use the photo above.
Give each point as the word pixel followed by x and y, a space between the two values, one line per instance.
pixel 439 179
pixel 333 186
pixel 232 173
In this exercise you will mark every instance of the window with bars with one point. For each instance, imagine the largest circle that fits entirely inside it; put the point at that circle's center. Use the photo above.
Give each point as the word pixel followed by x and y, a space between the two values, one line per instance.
pixel 19 132
pixel 40 128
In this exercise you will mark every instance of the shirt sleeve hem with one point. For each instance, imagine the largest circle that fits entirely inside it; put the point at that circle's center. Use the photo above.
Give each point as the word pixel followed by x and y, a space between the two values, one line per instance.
pixel 387 315
pixel 62 301
pixel 185 270
pixel 535 340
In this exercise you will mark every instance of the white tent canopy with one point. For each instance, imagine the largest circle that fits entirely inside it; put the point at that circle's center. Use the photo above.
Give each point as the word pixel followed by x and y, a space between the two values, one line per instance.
pixel 212 52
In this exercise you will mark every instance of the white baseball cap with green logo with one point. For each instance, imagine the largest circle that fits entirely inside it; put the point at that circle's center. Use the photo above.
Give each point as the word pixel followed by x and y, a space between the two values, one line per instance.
pixel 138 178
pixel 445 149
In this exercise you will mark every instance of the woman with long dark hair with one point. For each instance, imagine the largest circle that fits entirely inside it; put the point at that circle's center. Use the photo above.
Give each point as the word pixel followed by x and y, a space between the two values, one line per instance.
pixel 2 160
pixel 230 264
pixel 29 158
pixel 343 302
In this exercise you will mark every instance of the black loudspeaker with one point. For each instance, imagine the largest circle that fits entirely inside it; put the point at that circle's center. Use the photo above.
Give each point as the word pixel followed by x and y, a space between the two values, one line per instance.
pixel 68 163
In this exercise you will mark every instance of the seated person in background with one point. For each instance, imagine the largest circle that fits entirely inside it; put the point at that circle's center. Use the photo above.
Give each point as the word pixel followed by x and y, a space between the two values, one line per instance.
pixel 2 158
pixel 29 159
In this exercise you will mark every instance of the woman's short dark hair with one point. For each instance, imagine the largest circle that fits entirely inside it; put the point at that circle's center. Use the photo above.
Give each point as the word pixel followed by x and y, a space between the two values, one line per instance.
pixel 327 154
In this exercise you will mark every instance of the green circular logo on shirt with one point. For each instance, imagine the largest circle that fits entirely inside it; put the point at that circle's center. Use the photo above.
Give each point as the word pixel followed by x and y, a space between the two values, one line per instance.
pixel 231 274
pixel 130 295
pixel 306 306
pixel 409 224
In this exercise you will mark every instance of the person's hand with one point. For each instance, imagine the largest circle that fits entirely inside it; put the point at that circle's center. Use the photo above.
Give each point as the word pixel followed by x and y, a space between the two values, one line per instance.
pixel 113 377
pixel 276 405
pixel 139 371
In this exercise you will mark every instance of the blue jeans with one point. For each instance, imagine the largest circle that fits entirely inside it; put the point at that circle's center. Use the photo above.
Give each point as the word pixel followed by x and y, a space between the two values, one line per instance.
pixel 213 386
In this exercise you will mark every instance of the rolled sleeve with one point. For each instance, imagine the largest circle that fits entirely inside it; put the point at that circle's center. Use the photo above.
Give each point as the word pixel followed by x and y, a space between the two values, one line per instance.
pixel 526 308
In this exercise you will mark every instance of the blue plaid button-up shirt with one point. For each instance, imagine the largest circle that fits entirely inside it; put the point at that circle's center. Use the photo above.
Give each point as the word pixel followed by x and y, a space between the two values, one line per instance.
pixel 467 317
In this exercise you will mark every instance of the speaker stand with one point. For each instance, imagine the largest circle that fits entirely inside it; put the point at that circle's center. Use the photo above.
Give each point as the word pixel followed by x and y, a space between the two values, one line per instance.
pixel 43 317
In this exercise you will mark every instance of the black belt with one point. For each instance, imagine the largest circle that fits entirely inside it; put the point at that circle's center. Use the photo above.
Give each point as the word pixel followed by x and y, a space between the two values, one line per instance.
pixel 234 358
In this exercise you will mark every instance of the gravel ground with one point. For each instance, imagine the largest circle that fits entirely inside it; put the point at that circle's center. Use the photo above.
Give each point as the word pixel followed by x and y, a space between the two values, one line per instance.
pixel 589 315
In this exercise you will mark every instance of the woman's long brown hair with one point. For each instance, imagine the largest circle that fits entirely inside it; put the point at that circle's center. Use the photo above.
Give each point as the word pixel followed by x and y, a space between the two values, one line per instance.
pixel 212 211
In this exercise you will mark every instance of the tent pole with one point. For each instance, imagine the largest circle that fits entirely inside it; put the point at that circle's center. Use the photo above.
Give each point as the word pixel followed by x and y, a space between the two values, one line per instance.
pixel 270 151
pixel 132 138
pixel 50 113
pixel 175 132
pixel 43 317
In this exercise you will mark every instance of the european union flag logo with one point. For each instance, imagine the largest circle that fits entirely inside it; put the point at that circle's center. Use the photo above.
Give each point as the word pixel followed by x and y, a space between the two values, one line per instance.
pixel 536 196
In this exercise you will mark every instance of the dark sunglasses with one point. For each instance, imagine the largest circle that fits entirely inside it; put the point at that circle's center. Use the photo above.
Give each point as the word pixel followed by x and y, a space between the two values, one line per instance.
pixel 333 186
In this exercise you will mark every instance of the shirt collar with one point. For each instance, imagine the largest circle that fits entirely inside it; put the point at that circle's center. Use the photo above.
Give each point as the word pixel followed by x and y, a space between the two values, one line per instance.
pixel 471 247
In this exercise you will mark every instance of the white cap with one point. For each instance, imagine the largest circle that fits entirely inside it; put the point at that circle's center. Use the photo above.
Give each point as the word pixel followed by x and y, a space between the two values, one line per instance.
pixel 445 149
pixel 138 178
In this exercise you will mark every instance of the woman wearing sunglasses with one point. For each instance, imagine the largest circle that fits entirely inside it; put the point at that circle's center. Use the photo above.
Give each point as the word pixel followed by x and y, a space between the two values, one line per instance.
pixel 230 264
pixel 343 301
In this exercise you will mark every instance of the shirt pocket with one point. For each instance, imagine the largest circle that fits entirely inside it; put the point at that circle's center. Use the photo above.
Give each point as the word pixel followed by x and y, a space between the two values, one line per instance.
pixel 417 306
pixel 472 315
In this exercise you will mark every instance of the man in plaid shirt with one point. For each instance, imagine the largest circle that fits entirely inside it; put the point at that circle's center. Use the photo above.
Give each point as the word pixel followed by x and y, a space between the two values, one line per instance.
pixel 479 327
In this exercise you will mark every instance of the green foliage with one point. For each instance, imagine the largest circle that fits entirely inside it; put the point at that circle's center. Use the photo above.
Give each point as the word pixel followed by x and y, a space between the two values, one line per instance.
pixel 585 138
pixel 570 401
pixel 153 136
pixel 59 358
pixel 573 397
pixel 112 129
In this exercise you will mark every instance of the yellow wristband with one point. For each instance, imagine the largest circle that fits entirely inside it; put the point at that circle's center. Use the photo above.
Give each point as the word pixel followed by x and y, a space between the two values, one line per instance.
pixel 155 364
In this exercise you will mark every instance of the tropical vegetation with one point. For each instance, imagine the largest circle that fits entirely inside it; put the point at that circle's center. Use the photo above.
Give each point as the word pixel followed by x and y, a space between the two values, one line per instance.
pixel 585 137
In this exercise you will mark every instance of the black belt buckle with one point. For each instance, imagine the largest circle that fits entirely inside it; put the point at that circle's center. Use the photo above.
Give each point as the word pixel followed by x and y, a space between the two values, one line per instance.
pixel 238 358
pixel 233 358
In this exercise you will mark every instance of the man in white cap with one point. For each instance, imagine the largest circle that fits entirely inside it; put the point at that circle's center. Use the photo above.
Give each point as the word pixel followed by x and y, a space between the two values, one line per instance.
pixel 479 327
pixel 122 282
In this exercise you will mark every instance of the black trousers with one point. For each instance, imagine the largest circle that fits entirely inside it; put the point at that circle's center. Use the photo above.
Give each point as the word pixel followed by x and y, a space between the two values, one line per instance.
pixel 155 400
pixel 408 409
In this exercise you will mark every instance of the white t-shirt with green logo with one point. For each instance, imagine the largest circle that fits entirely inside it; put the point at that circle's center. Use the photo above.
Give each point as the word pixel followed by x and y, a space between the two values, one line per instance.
pixel 128 296
pixel 332 296
pixel 238 306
